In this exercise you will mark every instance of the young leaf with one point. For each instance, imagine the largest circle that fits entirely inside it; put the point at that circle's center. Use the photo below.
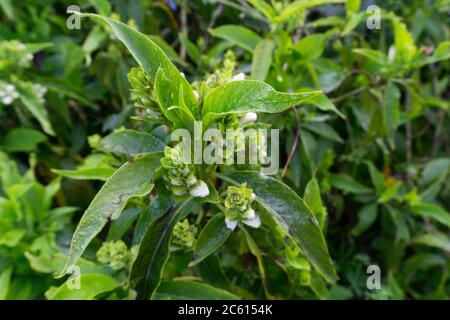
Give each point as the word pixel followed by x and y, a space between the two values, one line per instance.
pixel 181 289
pixel 130 142
pixel 292 215
pixel 153 254
pixel 262 59
pixel 212 236
pixel 243 37
pixel 133 179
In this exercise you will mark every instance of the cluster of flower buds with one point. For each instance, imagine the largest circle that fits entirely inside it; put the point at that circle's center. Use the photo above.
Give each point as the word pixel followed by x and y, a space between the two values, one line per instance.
pixel 184 234
pixel 116 254
pixel 238 207
pixel 8 93
pixel 40 91
pixel 142 92
pixel 15 53
pixel 180 175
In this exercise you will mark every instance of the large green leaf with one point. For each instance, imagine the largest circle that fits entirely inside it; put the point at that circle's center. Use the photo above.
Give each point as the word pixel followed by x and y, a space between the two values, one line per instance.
pixel 249 96
pixel 432 211
pixel 292 215
pixel 182 289
pixel 131 142
pixel 153 254
pixel 133 179
pixel 91 285
pixel 212 236
pixel 151 58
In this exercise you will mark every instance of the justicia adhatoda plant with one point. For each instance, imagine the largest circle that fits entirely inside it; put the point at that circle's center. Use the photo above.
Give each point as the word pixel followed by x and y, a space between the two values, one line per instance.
pixel 213 198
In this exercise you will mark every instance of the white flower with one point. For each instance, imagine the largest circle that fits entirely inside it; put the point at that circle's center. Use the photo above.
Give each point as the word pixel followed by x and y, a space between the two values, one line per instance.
pixel 255 222
pixel 30 57
pixel 231 224
pixel 10 88
pixel 201 190
pixel 7 100
pixel 21 46
pixel 182 74
pixel 248 117
pixel 196 95
pixel 238 77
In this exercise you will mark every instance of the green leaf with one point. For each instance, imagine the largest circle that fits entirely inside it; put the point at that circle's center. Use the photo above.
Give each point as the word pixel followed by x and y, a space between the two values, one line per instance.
pixel 366 217
pixel 32 102
pixel 133 179
pixel 147 269
pixel 346 183
pixel 91 285
pixel 191 49
pixel 391 111
pixel 376 177
pixel 311 47
pixel 181 289
pixel 5 279
pixel 249 96
pixel 324 130
pixel 167 49
pixel 435 240
pixel 130 142
pixel 314 201
pixel 100 173
pixel 240 36
pixel 262 59
pixel 292 215
pixel 434 169
pixel 353 6
pixel 172 106
pixel 22 139
pixel 322 102
pixel 151 58
pixel 432 211
pixel 212 237
pixel 404 42
pixel 121 225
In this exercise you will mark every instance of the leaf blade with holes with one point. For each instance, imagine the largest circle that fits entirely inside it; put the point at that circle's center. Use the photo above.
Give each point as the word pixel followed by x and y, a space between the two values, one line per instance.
pixel 292 215
pixel 133 179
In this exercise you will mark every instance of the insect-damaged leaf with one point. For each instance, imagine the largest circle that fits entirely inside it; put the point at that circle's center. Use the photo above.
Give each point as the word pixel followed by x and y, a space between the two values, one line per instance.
pixel 133 179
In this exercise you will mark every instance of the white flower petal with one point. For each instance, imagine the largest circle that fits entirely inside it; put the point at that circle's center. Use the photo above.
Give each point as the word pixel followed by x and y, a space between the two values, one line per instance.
pixel 252 198
pixel 231 224
pixel 238 77
pixel 7 100
pixel 254 223
pixel 201 190
pixel 250 214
